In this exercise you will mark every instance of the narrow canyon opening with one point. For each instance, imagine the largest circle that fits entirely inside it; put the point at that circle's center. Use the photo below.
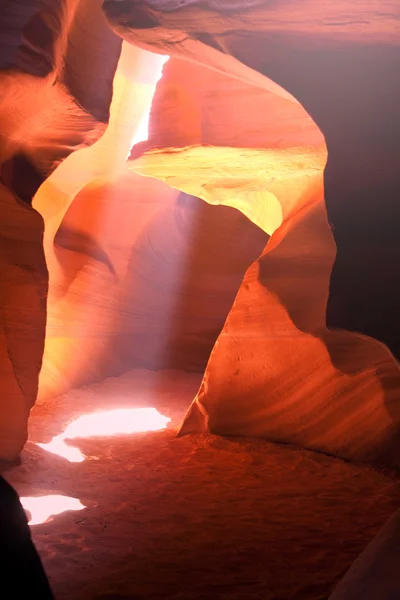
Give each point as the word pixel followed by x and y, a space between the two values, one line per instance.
pixel 198 305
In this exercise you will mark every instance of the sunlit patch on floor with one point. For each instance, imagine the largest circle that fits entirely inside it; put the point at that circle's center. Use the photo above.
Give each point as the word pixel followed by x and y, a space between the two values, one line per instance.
pixel 114 422
pixel 41 508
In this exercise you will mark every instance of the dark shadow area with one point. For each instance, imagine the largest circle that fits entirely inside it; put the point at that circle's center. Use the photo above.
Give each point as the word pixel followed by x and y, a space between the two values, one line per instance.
pixel 22 573
pixel 90 61
pixel 353 95
pixel 85 247
pixel 30 36
pixel 39 38
pixel 352 91
pixel 21 177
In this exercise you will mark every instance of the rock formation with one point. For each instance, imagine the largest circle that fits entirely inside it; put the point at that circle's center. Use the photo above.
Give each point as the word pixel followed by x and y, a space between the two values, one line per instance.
pixel 278 370
pixel 128 284
pixel 135 262
pixel 42 121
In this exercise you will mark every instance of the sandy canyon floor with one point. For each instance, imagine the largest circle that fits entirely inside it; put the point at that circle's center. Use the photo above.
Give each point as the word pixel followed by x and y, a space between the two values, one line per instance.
pixel 198 517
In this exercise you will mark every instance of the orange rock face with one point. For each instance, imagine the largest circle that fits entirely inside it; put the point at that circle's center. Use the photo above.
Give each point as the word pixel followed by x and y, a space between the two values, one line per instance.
pixel 254 230
pixel 296 361
pixel 43 118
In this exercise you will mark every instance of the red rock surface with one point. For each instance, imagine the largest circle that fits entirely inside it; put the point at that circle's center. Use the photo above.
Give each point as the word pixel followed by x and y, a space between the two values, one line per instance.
pixel 262 211
pixel 197 517
pixel 240 118
pixel 277 371
pixel 152 289
pixel 41 122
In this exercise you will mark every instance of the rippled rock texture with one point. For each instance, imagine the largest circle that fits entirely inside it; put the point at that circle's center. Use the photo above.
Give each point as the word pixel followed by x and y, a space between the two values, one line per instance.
pixel 286 293
pixel 307 354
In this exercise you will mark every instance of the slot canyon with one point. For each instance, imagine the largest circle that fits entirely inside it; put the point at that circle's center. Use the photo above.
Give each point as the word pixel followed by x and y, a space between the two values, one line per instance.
pixel 199 297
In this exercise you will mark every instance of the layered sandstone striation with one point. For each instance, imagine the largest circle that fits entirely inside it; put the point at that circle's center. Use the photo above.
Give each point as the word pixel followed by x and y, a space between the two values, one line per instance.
pixel 306 355
pixel 43 118
pixel 272 154
pixel 103 269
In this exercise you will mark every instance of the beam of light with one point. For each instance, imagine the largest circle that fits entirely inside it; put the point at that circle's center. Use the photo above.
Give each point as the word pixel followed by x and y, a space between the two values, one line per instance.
pixel 114 422
pixel 155 67
pixel 134 85
pixel 41 508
